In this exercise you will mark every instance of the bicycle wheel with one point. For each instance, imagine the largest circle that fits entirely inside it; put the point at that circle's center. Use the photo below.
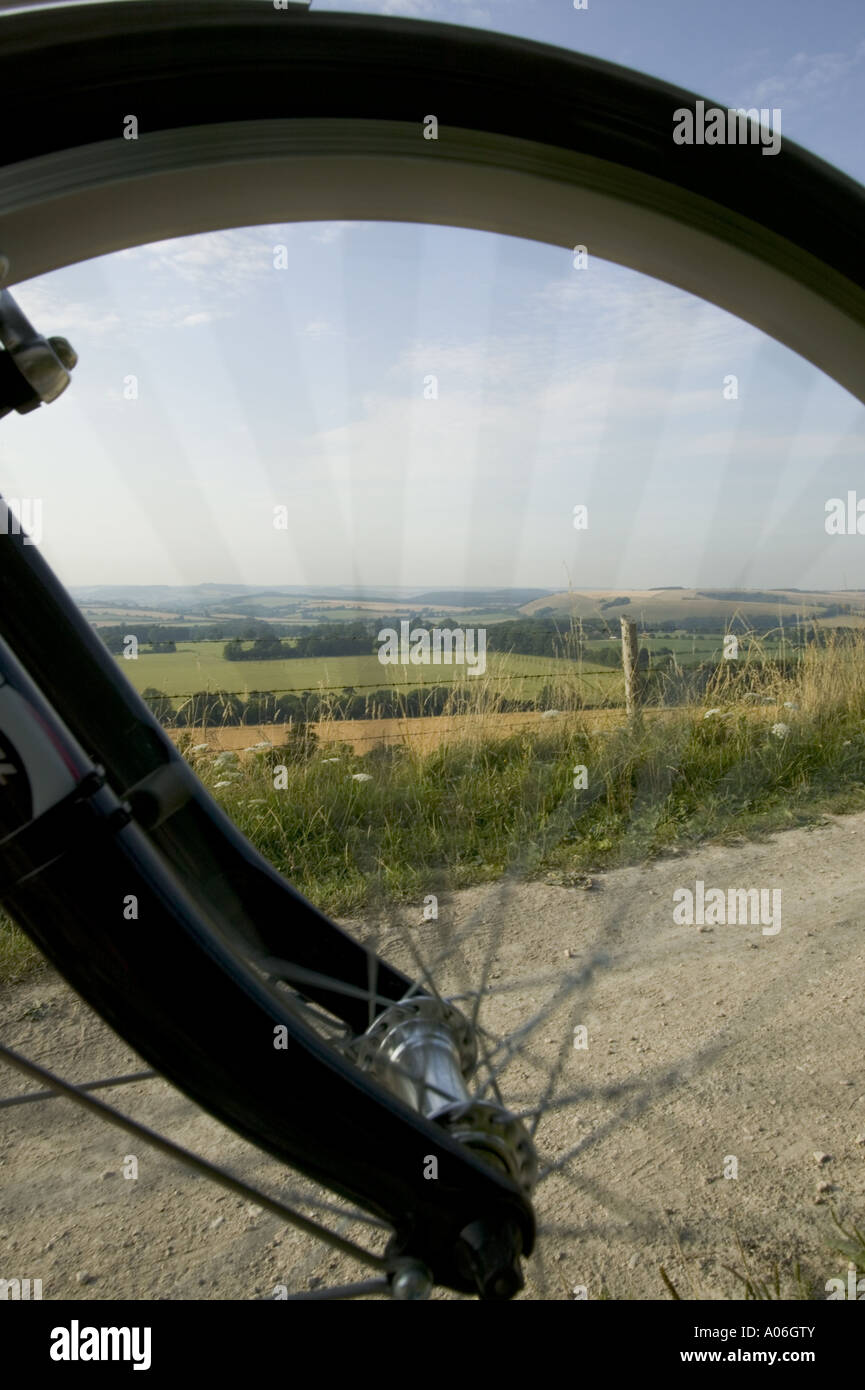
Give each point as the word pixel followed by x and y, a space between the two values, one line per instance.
pixel 213 148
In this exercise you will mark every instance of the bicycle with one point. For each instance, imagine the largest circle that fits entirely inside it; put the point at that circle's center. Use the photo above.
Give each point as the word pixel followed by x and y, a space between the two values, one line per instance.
pixel 532 142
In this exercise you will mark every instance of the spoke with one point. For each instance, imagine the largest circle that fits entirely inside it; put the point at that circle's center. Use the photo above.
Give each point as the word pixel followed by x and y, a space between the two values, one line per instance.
pixel 571 982
pixel 348 1215
pixel 210 1170
pixel 82 1086
pixel 361 1290
pixel 280 969
pixel 415 988
pixel 371 981
pixel 339 1033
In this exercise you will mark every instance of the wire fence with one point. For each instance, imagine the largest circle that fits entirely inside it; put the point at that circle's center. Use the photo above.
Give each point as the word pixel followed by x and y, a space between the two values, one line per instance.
pixel 513 677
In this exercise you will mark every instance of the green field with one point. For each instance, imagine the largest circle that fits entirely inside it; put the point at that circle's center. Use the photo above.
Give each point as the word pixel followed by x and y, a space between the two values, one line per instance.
pixel 199 666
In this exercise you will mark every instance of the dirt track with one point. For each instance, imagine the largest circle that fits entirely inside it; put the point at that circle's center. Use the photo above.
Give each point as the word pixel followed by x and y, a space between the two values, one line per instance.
pixel 728 1042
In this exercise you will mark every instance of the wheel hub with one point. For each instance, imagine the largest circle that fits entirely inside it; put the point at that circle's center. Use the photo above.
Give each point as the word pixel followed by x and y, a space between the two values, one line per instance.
pixel 424 1051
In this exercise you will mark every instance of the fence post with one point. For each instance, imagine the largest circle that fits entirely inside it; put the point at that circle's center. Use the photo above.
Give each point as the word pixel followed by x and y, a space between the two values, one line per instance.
pixel 631 667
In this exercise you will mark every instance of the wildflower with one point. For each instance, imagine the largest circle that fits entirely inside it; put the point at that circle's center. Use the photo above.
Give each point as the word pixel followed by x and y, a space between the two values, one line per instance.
pixel 330 760
pixel 780 730
pixel 222 784
pixel 200 748
pixel 361 777
pixel 710 712
pixel 790 704
pixel 550 713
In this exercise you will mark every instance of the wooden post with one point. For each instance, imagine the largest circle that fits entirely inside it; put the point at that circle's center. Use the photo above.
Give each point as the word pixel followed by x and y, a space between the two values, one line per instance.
pixel 630 667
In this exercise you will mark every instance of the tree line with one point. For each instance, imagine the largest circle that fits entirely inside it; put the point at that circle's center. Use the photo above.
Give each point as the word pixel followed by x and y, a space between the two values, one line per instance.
pixel 331 639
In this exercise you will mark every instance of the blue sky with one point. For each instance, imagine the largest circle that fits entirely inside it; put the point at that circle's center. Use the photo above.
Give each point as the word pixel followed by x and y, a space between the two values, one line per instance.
pixel 304 386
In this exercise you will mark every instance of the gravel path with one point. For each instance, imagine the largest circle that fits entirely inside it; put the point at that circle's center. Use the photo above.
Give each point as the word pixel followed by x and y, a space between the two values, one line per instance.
pixel 703 1046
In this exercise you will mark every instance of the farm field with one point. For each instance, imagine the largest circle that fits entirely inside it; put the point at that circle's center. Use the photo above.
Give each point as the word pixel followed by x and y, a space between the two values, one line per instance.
pixel 426 732
pixel 201 666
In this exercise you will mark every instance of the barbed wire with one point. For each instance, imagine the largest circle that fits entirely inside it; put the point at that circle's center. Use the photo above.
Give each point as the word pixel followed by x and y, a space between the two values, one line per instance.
pixel 324 689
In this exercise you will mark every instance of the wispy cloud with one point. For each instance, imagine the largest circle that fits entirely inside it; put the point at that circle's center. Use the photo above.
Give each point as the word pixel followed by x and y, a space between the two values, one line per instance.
pixel 51 312
pixel 807 80
pixel 227 260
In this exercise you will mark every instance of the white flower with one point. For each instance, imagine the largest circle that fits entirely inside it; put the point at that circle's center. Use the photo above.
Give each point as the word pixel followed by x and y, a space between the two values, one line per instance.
pixel 361 777
pixel 550 713
pixel 222 784
pixel 790 704
pixel 330 760
pixel 200 748
pixel 710 712
pixel 780 730
pixel 222 759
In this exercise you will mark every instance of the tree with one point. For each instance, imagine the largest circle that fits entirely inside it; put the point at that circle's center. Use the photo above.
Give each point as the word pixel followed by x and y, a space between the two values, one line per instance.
pixel 159 705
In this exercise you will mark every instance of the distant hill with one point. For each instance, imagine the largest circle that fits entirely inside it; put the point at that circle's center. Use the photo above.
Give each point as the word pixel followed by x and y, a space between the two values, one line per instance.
pixel 182 598
pixel 649 606
pixel 479 598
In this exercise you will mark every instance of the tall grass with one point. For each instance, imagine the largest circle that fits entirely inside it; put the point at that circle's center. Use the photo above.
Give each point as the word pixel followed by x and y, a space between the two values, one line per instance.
pixel 762 744
pixel 768 744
